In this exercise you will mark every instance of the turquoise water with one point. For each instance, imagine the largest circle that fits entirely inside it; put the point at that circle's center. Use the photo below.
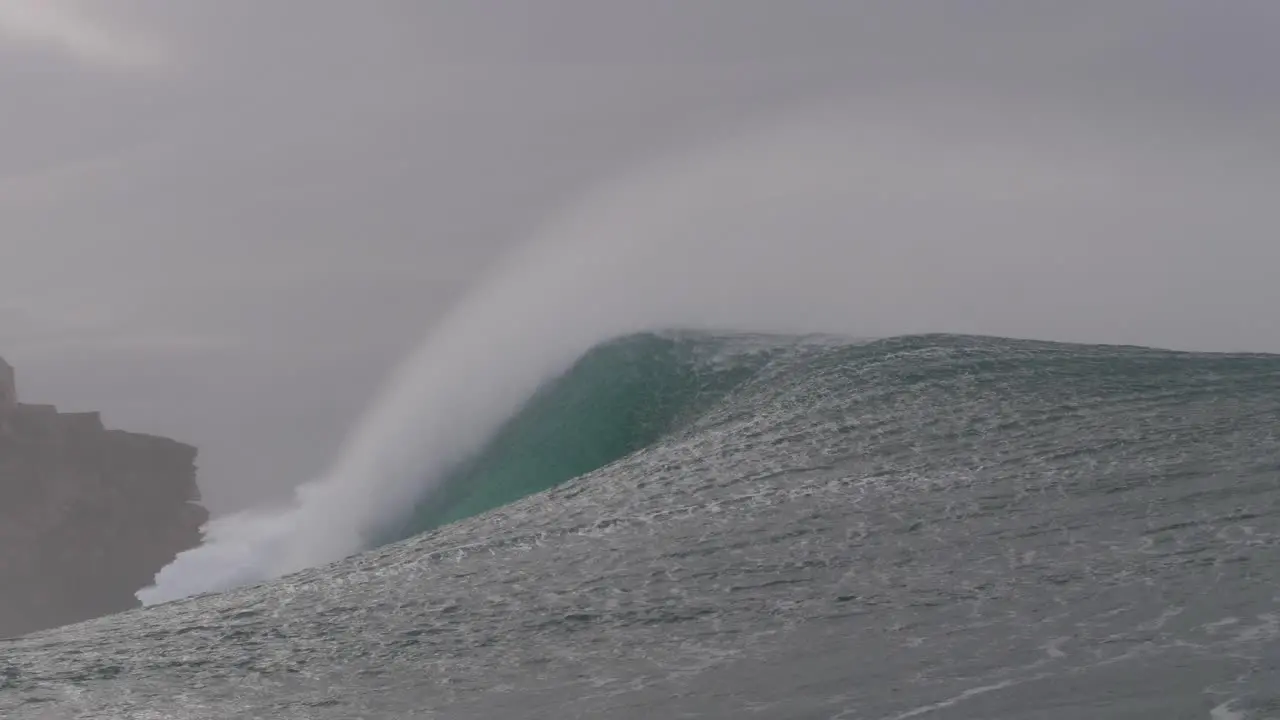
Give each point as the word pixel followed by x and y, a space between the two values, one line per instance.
pixel 619 398
pixel 730 526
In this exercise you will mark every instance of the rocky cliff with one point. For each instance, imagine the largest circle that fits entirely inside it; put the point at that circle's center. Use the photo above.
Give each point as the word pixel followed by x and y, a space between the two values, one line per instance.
pixel 87 515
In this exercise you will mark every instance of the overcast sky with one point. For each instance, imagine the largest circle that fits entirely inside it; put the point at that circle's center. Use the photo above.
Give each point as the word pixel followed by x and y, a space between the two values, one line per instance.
pixel 225 221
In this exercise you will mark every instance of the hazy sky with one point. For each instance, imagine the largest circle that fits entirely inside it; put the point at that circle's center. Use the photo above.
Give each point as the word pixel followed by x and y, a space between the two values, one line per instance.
pixel 224 221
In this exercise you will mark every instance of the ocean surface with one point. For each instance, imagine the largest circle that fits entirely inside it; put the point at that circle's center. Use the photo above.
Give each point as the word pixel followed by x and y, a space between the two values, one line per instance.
pixel 690 525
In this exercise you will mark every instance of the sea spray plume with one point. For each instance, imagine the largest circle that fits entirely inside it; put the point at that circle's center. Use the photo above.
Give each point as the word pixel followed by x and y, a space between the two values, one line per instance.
pixel 483 360
pixel 828 221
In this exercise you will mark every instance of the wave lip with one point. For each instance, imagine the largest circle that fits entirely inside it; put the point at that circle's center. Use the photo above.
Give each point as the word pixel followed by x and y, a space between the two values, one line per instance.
pixel 620 397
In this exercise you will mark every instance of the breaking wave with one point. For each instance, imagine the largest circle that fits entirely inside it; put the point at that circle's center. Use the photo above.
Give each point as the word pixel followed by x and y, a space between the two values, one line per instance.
pixel 827 222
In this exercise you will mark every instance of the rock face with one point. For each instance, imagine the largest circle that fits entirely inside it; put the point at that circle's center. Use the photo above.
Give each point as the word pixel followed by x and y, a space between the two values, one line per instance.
pixel 87 515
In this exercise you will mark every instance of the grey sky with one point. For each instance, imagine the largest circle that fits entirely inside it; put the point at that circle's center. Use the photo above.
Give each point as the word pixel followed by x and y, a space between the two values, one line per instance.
pixel 224 221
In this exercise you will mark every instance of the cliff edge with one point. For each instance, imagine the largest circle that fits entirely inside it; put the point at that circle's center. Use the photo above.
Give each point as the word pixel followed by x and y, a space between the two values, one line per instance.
pixel 87 515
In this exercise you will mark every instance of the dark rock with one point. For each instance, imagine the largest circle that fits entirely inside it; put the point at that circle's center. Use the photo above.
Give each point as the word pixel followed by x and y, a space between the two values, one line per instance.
pixel 87 515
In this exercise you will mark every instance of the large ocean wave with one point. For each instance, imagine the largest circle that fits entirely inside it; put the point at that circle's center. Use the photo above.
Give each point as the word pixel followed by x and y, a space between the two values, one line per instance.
pixel 817 224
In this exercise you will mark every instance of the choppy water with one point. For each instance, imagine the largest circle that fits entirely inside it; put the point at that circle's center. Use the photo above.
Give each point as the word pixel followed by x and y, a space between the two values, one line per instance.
pixel 934 527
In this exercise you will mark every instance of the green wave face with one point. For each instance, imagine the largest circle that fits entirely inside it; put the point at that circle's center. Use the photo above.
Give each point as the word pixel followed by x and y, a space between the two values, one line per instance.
pixel 887 401
pixel 618 398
